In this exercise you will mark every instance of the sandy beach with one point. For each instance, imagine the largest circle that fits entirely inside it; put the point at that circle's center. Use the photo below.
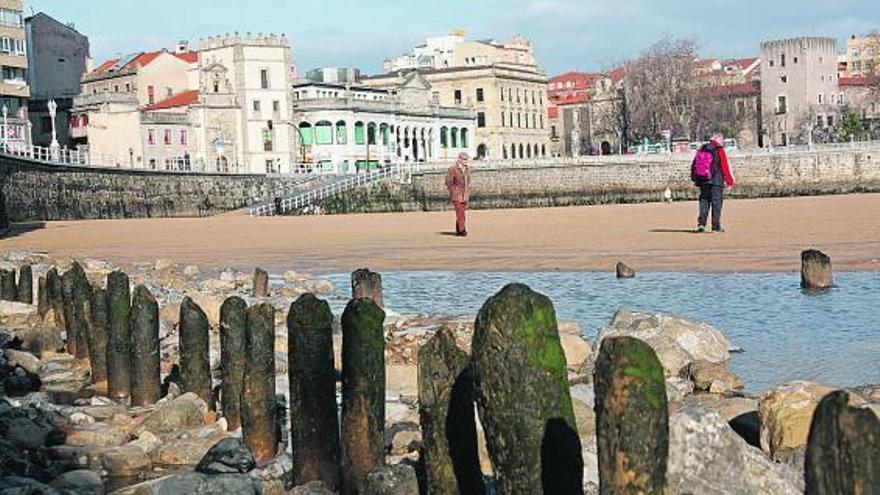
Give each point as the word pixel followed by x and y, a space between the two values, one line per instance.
pixel 762 235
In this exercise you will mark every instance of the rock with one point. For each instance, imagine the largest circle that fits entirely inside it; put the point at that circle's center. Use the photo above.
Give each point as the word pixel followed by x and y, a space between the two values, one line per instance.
pixel 99 435
pixel 128 460
pixel 228 456
pixel 40 339
pixel 582 400
pixel 367 284
pixel 81 481
pixel 676 341
pixel 25 360
pixel 147 442
pixel 185 412
pixel 392 480
pixel 405 441
pixel 714 378
pixel 707 457
pixel 185 452
pixel 17 315
pixel 279 470
pixel 312 489
pixel 677 389
pixel 15 485
pixel 210 304
pixel 577 351
pixel 196 484
pixel 403 379
pixel 624 271
pixel 786 413
pixel 191 271
pixel 816 270
pixel 163 264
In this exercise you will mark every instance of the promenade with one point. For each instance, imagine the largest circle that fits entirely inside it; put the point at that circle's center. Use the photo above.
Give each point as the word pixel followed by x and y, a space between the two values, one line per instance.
pixel 762 235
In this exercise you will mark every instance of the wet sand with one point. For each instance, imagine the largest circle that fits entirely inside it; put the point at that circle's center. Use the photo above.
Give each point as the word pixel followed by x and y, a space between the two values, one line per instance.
pixel 762 235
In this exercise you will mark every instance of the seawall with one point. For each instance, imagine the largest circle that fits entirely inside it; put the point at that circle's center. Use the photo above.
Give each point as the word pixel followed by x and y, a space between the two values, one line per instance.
pixel 40 192
pixel 546 185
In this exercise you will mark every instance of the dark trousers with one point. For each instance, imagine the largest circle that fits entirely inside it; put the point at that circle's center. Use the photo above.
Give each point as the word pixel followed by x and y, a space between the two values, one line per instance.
pixel 711 197
pixel 460 208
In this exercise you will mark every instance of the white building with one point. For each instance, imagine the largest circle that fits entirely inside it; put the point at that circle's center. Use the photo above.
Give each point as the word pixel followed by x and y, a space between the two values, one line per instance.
pixel 437 52
pixel 454 50
pixel 346 128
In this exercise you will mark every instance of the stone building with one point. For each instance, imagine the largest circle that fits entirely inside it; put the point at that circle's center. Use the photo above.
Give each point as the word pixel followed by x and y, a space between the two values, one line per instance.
pixel 582 113
pixel 58 57
pixel 14 90
pixel 863 55
pixel 509 101
pixel 799 91
pixel 346 127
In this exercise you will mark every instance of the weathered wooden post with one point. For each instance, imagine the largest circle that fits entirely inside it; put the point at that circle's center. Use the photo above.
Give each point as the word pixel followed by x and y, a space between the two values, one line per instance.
pixel 367 284
pixel 195 360
pixel 146 388
pixel 446 414
pixel 843 448
pixel 363 392
pixel 233 333
pixel 314 424
pixel 77 293
pixel 119 359
pixel 98 335
pixel 632 426
pixel 25 291
pixel 816 270
pixel 258 395
pixel 8 290
pixel 261 283
pixel 523 395
pixel 56 297
pixel 43 304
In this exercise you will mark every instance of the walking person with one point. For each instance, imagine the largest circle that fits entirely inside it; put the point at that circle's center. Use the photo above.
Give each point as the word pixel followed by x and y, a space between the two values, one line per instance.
pixel 458 182
pixel 711 173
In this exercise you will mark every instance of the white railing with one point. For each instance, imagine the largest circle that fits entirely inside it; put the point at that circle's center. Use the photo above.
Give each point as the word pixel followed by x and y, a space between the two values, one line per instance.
pixel 309 198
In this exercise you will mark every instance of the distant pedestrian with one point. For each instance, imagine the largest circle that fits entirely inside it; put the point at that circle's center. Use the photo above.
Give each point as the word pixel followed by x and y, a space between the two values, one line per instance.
pixel 711 173
pixel 458 182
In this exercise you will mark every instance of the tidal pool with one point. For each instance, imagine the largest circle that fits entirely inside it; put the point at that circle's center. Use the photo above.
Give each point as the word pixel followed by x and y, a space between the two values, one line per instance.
pixel 831 337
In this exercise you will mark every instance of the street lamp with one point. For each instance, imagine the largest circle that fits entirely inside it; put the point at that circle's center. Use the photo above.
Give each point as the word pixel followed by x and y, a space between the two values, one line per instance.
pixel 54 146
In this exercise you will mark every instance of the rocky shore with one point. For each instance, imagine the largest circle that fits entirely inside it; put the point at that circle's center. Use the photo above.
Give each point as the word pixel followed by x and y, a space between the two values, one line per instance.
pixel 61 433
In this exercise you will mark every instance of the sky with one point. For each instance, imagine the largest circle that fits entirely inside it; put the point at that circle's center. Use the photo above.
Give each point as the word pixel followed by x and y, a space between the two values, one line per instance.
pixel 584 35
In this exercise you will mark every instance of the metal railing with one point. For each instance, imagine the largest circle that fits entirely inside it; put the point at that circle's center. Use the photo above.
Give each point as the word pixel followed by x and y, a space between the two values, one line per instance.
pixel 309 198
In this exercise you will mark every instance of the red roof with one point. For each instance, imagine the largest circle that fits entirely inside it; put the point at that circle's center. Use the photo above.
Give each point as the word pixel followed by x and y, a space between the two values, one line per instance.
pixel 742 63
pixel 144 59
pixel 189 57
pixel 184 99
pixel 858 81
pixel 105 66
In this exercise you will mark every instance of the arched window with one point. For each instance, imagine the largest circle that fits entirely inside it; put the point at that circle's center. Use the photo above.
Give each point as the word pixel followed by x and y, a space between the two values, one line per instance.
pixel 341 132
pixel 464 138
pixel 504 151
pixel 306 134
pixel 521 151
pixel 84 120
pixel 535 151
pixel 323 133
pixel 455 137
pixel 384 133
pixel 528 151
pixel 444 137
pixel 360 133
pixel 543 151
pixel 371 133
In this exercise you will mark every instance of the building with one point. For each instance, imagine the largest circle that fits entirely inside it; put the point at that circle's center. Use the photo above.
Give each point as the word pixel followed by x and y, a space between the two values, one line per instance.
pixel 582 113
pixel 106 120
pixel 861 95
pixel 509 103
pixel 454 50
pixel 346 127
pixel 14 90
pixel 58 57
pixel 800 98
pixel 863 55
pixel 224 107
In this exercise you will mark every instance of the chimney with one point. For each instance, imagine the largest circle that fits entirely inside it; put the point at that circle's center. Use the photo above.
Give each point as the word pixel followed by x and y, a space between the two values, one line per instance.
pixel 182 46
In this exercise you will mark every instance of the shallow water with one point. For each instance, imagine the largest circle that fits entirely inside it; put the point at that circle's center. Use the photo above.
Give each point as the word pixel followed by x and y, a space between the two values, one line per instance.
pixel 786 334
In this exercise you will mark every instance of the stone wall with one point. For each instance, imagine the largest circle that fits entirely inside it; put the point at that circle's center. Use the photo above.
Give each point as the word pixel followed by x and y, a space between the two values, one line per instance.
pixel 760 175
pixel 39 192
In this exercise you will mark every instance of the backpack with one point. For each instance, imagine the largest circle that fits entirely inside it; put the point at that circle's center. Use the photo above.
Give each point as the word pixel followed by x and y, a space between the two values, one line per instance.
pixel 701 168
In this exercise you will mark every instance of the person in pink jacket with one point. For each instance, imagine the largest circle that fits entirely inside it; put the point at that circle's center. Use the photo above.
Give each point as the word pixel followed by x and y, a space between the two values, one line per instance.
pixel 458 182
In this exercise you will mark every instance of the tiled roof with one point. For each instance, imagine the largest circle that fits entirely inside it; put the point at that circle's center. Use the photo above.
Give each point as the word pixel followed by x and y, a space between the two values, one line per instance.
pixel 189 57
pixel 184 99
pixel 858 81
pixel 105 66
pixel 143 59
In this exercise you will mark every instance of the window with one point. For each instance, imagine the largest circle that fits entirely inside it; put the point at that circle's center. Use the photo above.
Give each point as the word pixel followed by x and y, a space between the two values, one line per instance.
pixel 533 97
pixel 306 134
pixel 341 132
pixel 323 132
pixel 840 99
pixel 831 121
pixel 151 94
pixel 256 105
pixel 502 119
pixel 771 63
pixel 360 135
pixel 264 79
pixel 464 138
pixel 519 120
pixel 502 94
pixel 128 87
pixel 517 95
pixel 480 94
pixel 457 97
pixel 444 137
pixel 183 137
pixel 782 60
pixel 152 164
pixel 794 60
pixel 11 18
pixel 820 99
pixel 510 95
pixel 820 120
pixel 542 121
pixel 151 137
pixel 784 79
pixel 169 92
pixel 781 106
pixel 481 119
pixel 167 137
pixel 268 138
pixel 436 96
pixel 276 106
pixel 116 88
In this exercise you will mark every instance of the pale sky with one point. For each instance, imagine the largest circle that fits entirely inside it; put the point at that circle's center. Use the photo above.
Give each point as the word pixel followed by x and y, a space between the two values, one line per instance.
pixel 567 34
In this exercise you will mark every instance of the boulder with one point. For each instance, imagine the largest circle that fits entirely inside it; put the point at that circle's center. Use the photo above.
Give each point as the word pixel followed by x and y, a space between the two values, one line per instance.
pixel 184 412
pixel 403 379
pixel 786 412
pixel 99 435
pixel 706 456
pixel 392 480
pixel 714 378
pixel 228 456
pixel 582 400
pixel 196 484
pixel 577 351
pixel 313 488
pixel 625 271
pixel 81 481
pixel 191 271
pixel 677 342
pixel 183 453
pixel 15 485
pixel 18 315
pixel 25 360
pixel 816 272
pixel 128 460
